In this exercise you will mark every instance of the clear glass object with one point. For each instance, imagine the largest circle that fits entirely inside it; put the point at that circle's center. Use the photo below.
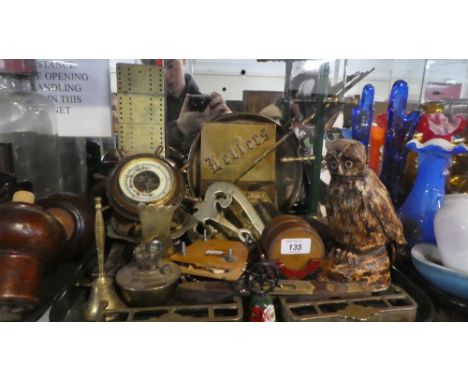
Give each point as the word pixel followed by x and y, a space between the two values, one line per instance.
pixel 28 122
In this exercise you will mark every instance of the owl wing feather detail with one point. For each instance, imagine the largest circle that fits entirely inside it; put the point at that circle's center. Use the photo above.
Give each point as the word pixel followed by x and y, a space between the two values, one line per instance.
pixel 382 207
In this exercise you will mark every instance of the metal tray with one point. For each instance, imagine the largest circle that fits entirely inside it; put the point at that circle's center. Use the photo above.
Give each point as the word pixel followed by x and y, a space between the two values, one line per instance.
pixel 393 304
pixel 231 311
pixel 69 305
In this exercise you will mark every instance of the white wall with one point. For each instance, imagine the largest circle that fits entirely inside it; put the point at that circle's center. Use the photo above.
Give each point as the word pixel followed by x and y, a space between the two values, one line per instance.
pixel 259 75
pixel 234 67
pixel 448 71
pixel 218 74
pixel 225 76
pixel 235 85
pixel 385 74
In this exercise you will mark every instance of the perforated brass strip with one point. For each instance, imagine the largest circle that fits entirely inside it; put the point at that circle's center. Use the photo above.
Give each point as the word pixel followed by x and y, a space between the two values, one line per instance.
pixel 140 108
pixel 136 108
pixel 136 138
pixel 140 79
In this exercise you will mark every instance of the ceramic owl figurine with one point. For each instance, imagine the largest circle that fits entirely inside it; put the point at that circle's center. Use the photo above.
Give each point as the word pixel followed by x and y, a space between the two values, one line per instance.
pixel 361 218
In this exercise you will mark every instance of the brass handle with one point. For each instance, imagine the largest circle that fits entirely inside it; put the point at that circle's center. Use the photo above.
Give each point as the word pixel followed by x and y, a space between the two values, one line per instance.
pixel 262 156
pixel 297 159
pixel 100 233
pixel 357 312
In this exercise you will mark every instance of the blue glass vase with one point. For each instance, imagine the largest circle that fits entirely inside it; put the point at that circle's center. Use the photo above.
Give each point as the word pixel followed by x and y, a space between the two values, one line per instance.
pixel 363 115
pixel 400 129
pixel 427 195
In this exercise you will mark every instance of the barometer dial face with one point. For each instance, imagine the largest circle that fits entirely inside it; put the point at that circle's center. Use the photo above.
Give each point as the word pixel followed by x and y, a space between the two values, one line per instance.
pixel 146 180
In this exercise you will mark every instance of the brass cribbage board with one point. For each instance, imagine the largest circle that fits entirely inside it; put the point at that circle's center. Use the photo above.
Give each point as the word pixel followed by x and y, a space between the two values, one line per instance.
pixel 140 108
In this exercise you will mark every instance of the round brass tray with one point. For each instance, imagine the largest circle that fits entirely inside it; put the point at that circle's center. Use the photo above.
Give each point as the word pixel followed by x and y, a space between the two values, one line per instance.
pixel 289 175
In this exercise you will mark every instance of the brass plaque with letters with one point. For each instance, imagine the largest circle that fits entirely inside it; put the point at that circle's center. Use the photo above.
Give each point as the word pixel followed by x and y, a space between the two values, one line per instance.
pixel 228 149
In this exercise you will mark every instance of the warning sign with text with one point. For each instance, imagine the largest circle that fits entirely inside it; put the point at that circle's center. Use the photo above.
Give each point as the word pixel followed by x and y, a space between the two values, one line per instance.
pixel 80 91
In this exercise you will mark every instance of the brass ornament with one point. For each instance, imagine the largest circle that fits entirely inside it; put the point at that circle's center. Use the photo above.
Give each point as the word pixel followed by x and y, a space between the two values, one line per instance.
pixel 220 195
pixel 155 221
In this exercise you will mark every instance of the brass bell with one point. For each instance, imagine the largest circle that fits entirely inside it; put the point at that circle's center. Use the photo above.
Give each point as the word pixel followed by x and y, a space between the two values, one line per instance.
pixel 103 294
pixel 102 289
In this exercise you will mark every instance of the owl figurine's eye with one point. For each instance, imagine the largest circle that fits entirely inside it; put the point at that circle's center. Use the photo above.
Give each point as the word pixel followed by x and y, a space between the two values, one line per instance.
pixel 348 164
pixel 334 165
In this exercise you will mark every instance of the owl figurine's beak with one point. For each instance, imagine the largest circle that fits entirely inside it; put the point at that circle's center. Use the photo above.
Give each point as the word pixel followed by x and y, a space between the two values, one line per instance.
pixel 339 170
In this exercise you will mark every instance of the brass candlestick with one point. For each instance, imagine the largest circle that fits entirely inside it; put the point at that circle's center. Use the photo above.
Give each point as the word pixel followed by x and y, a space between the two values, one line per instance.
pixel 102 288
